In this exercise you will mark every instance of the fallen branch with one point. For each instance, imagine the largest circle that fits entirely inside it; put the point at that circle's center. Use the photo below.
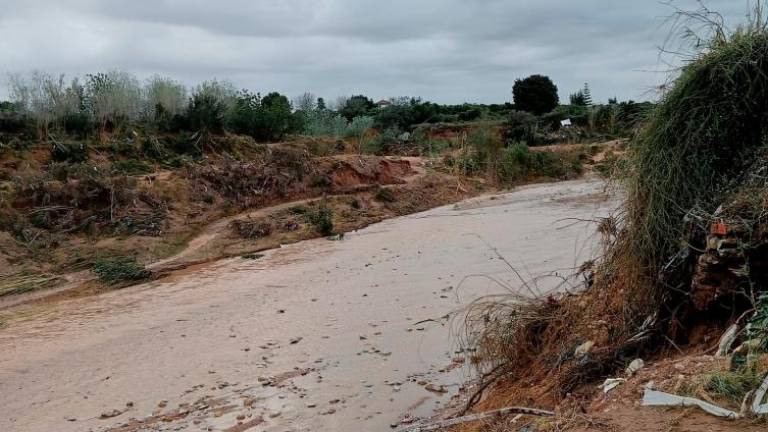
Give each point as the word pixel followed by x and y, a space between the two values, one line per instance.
pixel 475 417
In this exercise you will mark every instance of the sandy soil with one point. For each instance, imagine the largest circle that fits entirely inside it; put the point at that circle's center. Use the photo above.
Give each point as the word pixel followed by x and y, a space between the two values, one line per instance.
pixel 316 336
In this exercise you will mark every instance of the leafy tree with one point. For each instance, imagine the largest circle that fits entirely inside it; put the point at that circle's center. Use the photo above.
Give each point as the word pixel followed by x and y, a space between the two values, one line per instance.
pixel 113 97
pixel 536 94
pixel 206 114
pixel 46 99
pixel 356 106
pixel 240 117
pixel 267 118
pixel 405 112
pixel 274 118
pixel 163 96
pixel 223 91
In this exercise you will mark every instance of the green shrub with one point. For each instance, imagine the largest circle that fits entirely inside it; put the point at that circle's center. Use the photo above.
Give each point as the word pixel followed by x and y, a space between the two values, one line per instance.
pixel 78 124
pixel 185 145
pixel 119 269
pixel 13 122
pixel 69 152
pixel 321 218
pixel 520 128
pixel 386 142
pixel 385 195
pixel 63 171
pixel 466 163
pixel 132 167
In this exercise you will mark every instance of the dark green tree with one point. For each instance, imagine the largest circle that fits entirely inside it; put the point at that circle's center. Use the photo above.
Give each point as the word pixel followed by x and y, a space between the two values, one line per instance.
pixel 267 118
pixel 274 119
pixel 356 106
pixel 536 94
pixel 206 114
pixel 578 99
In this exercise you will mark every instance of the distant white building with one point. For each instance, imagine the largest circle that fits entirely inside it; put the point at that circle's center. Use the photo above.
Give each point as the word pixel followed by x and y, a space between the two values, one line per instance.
pixel 566 123
pixel 383 103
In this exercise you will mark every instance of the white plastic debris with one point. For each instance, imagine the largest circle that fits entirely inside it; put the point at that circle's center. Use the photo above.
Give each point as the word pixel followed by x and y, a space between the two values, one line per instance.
pixel 726 341
pixel 635 366
pixel 611 383
pixel 658 398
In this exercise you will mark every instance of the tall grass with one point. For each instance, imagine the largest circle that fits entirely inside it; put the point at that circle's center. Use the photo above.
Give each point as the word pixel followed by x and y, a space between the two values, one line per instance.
pixel 704 132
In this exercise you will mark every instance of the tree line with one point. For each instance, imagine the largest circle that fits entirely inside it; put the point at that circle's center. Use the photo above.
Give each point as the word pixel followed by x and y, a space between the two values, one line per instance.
pixel 104 102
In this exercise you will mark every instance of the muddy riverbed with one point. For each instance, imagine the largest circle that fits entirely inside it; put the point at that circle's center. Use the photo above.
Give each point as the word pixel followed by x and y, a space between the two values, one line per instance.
pixel 346 335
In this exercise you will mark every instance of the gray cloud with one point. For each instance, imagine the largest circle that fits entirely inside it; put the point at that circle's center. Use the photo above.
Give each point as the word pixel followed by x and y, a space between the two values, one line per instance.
pixel 443 50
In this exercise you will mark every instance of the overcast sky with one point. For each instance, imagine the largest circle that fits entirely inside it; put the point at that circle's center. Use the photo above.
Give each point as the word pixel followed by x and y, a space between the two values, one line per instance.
pixel 447 51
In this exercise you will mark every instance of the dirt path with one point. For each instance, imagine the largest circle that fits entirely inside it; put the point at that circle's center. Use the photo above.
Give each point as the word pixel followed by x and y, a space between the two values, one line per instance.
pixel 316 336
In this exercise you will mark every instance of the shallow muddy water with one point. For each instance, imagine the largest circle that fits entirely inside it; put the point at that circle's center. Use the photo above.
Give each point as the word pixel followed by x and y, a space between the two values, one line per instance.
pixel 321 335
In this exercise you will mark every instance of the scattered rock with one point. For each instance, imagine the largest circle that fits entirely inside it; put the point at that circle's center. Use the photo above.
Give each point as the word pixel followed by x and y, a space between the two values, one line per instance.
pixel 635 366
pixel 110 414
pixel 435 389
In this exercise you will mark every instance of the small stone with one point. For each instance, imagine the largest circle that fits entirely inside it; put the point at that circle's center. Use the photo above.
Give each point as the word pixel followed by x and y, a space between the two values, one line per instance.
pixel 110 414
